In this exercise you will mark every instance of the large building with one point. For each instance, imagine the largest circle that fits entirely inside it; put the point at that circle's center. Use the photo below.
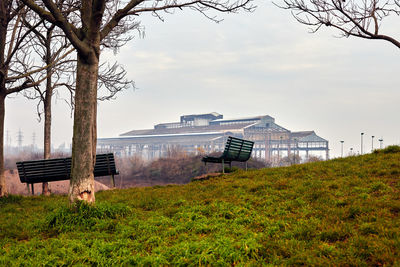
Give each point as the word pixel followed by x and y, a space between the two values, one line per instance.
pixel 208 133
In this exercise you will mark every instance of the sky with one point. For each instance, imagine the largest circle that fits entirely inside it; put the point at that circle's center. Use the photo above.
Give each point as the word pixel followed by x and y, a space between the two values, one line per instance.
pixel 250 64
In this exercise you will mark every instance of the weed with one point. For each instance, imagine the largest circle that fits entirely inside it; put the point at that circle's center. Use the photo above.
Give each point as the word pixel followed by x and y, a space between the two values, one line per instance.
pixel 82 215
pixel 10 199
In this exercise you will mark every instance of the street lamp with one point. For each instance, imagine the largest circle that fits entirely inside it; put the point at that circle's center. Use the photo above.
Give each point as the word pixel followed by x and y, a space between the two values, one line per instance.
pixel 351 151
pixel 380 143
pixel 342 148
pixel 362 134
pixel 372 143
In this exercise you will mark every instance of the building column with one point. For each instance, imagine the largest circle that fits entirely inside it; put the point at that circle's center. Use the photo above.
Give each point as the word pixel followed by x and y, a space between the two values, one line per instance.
pixel 327 151
pixel 307 151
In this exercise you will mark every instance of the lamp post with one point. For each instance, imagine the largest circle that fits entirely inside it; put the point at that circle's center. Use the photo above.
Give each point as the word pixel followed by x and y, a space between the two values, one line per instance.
pixel 372 143
pixel 380 143
pixel 342 148
pixel 362 134
pixel 351 151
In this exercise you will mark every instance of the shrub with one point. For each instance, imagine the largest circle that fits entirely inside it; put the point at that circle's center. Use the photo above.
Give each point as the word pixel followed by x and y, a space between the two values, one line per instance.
pixel 392 149
pixel 388 150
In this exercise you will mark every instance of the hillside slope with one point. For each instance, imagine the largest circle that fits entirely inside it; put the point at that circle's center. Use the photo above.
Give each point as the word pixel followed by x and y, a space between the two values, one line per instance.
pixel 339 212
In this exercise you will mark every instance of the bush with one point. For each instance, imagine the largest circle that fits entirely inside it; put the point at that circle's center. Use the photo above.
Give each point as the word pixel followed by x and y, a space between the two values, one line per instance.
pixel 391 149
pixel 388 150
pixel 177 168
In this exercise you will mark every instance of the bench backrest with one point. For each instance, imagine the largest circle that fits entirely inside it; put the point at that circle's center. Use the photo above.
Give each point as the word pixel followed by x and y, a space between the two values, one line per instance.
pixel 237 149
pixel 49 170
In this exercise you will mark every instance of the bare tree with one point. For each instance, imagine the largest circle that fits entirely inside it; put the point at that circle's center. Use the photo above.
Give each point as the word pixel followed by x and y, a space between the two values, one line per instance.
pixel 50 44
pixel 17 70
pixel 359 18
pixel 98 20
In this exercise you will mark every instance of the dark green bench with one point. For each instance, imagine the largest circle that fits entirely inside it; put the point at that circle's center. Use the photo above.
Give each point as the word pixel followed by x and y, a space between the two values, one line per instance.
pixel 236 149
pixel 50 170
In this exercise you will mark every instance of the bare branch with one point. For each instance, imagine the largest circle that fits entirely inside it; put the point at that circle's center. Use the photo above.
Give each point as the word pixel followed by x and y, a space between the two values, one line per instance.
pixel 56 17
pixel 132 8
pixel 40 69
pixel 351 17
pixel 25 85
pixel 113 79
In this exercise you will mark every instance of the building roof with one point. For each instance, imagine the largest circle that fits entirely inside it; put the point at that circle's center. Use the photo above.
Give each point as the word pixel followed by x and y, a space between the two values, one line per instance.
pixel 307 136
pixel 183 139
pixel 187 130
pixel 215 114
pixel 243 118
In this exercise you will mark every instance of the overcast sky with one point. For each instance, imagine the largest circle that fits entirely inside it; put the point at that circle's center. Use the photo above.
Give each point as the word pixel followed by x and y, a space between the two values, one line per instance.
pixel 261 63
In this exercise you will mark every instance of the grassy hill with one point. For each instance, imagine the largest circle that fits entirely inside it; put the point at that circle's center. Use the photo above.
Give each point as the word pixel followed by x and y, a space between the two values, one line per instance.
pixel 339 212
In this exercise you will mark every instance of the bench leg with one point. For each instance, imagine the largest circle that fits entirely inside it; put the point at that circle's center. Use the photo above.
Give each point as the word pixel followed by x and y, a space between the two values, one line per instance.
pixel 112 180
pixel 223 167
pixel 33 190
pixel 246 165
pixel 27 187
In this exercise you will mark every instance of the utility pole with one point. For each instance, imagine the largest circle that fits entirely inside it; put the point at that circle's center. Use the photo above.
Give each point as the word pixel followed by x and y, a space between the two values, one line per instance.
pixel 20 138
pixel 7 140
pixel 33 141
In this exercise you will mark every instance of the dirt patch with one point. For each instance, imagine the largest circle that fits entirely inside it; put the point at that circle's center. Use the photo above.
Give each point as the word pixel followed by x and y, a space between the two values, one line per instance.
pixel 15 187
pixel 207 176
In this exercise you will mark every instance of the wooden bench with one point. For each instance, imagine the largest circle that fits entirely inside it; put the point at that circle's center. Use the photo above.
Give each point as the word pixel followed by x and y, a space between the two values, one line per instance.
pixel 50 170
pixel 236 149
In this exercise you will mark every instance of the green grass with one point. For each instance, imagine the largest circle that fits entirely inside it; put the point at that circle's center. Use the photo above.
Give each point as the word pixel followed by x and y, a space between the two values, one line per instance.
pixel 340 212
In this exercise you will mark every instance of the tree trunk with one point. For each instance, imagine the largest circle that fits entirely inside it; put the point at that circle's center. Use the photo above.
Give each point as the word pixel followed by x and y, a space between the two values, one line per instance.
pixel 3 75
pixel 3 188
pixel 47 129
pixel 47 110
pixel 85 133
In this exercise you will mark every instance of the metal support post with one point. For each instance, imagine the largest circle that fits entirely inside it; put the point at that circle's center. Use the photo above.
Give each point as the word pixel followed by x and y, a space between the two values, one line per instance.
pixel 112 180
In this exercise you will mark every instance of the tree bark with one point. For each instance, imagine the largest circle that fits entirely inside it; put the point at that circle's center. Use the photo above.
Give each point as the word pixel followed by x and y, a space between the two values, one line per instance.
pixel 47 129
pixel 47 111
pixel 3 188
pixel 3 75
pixel 84 134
